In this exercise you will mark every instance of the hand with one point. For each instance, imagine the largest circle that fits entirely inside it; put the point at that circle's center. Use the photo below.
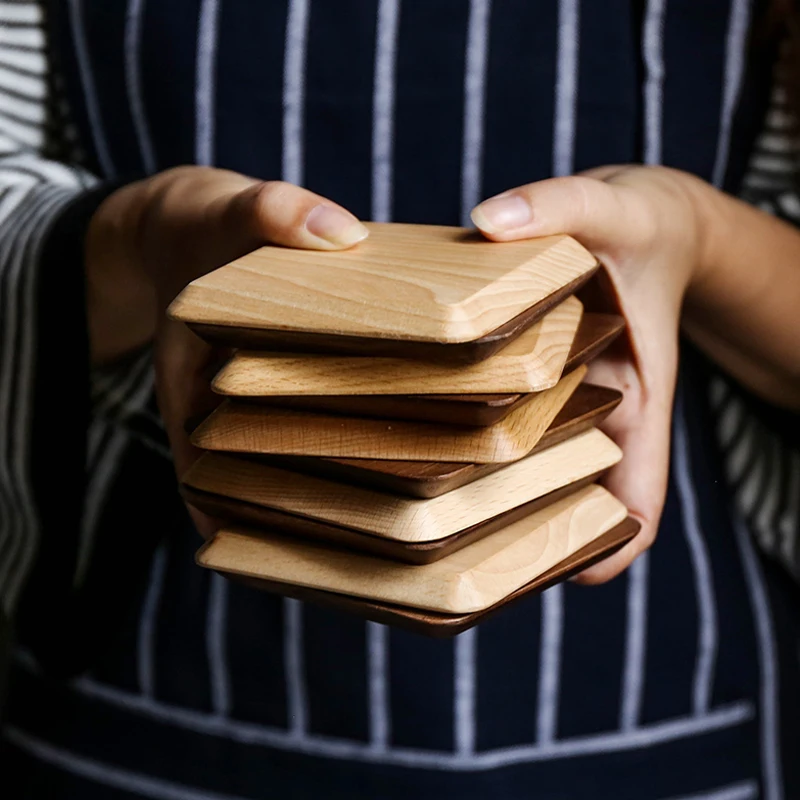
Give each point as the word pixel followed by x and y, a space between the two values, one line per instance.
pixel 150 239
pixel 646 226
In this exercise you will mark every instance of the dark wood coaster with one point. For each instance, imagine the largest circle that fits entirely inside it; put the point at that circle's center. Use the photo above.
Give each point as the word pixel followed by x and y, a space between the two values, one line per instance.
pixel 429 623
pixel 596 332
pixel 229 510
pixel 587 407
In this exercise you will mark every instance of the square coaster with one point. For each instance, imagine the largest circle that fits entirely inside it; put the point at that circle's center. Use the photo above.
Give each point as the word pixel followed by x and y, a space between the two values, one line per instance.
pixel 595 333
pixel 535 361
pixel 585 409
pixel 429 623
pixel 414 291
pixel 470 580
pixel 247 428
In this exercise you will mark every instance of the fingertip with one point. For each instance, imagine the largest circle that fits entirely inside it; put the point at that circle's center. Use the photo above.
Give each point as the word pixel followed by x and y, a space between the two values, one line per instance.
pixel 502 216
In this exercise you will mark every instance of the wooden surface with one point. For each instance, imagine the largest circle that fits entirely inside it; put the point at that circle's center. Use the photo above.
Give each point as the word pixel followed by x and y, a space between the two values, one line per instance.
pixel 469 580
pixel 587 407
pixel 245 428
pixel 402 518
pixel 258 518
pixel 410 282
pixel 532 363
pixel 429 623
pixel 595 333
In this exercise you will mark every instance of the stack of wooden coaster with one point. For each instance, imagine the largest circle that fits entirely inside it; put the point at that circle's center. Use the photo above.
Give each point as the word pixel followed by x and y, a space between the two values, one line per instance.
pixel 405 432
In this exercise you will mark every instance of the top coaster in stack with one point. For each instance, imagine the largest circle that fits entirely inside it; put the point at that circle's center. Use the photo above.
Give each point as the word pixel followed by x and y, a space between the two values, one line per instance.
pixel 412 291
pixel 425 452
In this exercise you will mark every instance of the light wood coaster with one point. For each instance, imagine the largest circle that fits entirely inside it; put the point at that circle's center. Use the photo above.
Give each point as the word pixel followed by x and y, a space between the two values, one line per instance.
pixel 237 512
pixel 406 283
pixel 469 580
pixel 423 530
pixel 402 518
pixel 587 407
pixel 429 623
pixel 595 333
pixel 532 363
pixel 246 428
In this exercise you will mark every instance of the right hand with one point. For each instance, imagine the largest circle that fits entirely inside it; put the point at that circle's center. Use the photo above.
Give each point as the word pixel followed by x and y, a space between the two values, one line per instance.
pixel 149 239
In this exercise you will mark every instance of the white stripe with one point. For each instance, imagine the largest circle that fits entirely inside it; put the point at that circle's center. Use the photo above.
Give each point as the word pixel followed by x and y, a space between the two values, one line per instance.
pixel 789 204
pixel 749 491
pixel 789 524
pixel 654 82
pixel 708 636
pixel 764 519
pixel 294 666
pixel 21 13
pixel 217 645
pixel 465 679
pixel 30 61
pixel 731 417
pixel 294 87
pixel 474 99
pixel 740 455
pixel 32 37
pixel 635 643
pixel 50 171
pixel 383 109
pixel 649 735
pixel 550 664
pixel 145 646
pixel 26 134
pixel 772 778
pixel 379 706
pixel 205 90
pixel 566 86
pixel 32 111
pixel 133 82
pixel 106 774
pixel 89 90
pixel 745 790
pixel 30 86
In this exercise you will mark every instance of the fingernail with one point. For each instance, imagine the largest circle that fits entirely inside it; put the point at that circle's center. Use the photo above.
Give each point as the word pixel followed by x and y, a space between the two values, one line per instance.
pixel 335 226
pixel 506 212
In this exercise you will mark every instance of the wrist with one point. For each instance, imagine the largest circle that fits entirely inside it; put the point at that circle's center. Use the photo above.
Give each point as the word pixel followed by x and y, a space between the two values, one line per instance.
pixel 120 301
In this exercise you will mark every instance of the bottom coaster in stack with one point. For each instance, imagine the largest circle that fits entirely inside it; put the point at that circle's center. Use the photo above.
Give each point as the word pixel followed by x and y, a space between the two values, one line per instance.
pixel 444 597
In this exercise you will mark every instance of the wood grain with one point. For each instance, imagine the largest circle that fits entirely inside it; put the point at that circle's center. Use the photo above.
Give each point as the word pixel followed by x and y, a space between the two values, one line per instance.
pixel 532 363
pixel 429 623
pixel 587 407
pixel 469 580
pixel 410 282
pixel 400 517
pixel 244 428
pixel 595 333
pixel 255 517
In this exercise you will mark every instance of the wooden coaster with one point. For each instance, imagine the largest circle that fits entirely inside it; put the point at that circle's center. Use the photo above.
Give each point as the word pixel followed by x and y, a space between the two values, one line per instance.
pixel 595 333
pixel 246 428
pixel 411 291
pixel 402 518
pixel 535 361
pixel 472 579
pixel 429 623
pixel 587 407
pixel 256 517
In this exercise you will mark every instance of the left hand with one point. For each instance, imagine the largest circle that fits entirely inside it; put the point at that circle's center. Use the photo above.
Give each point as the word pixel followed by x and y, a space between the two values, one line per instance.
pixel 646 226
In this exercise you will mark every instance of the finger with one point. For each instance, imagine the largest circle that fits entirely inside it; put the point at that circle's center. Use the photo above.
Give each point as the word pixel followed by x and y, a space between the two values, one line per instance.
pixel 591 210
pixel 289 215
pixel 639 481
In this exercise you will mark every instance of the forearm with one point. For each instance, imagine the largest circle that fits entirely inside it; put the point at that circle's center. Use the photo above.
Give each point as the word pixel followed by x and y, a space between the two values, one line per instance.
pixel 743 306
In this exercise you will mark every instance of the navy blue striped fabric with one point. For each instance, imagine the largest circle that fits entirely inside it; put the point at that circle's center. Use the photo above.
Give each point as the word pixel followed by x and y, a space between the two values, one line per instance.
pixel 673 681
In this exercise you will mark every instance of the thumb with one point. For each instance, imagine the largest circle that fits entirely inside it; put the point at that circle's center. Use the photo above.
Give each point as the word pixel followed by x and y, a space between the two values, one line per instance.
pixel 591 210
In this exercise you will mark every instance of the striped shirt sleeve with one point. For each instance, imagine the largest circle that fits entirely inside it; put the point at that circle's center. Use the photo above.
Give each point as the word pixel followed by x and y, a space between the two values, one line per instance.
pixel 58 420
pixel 761 444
